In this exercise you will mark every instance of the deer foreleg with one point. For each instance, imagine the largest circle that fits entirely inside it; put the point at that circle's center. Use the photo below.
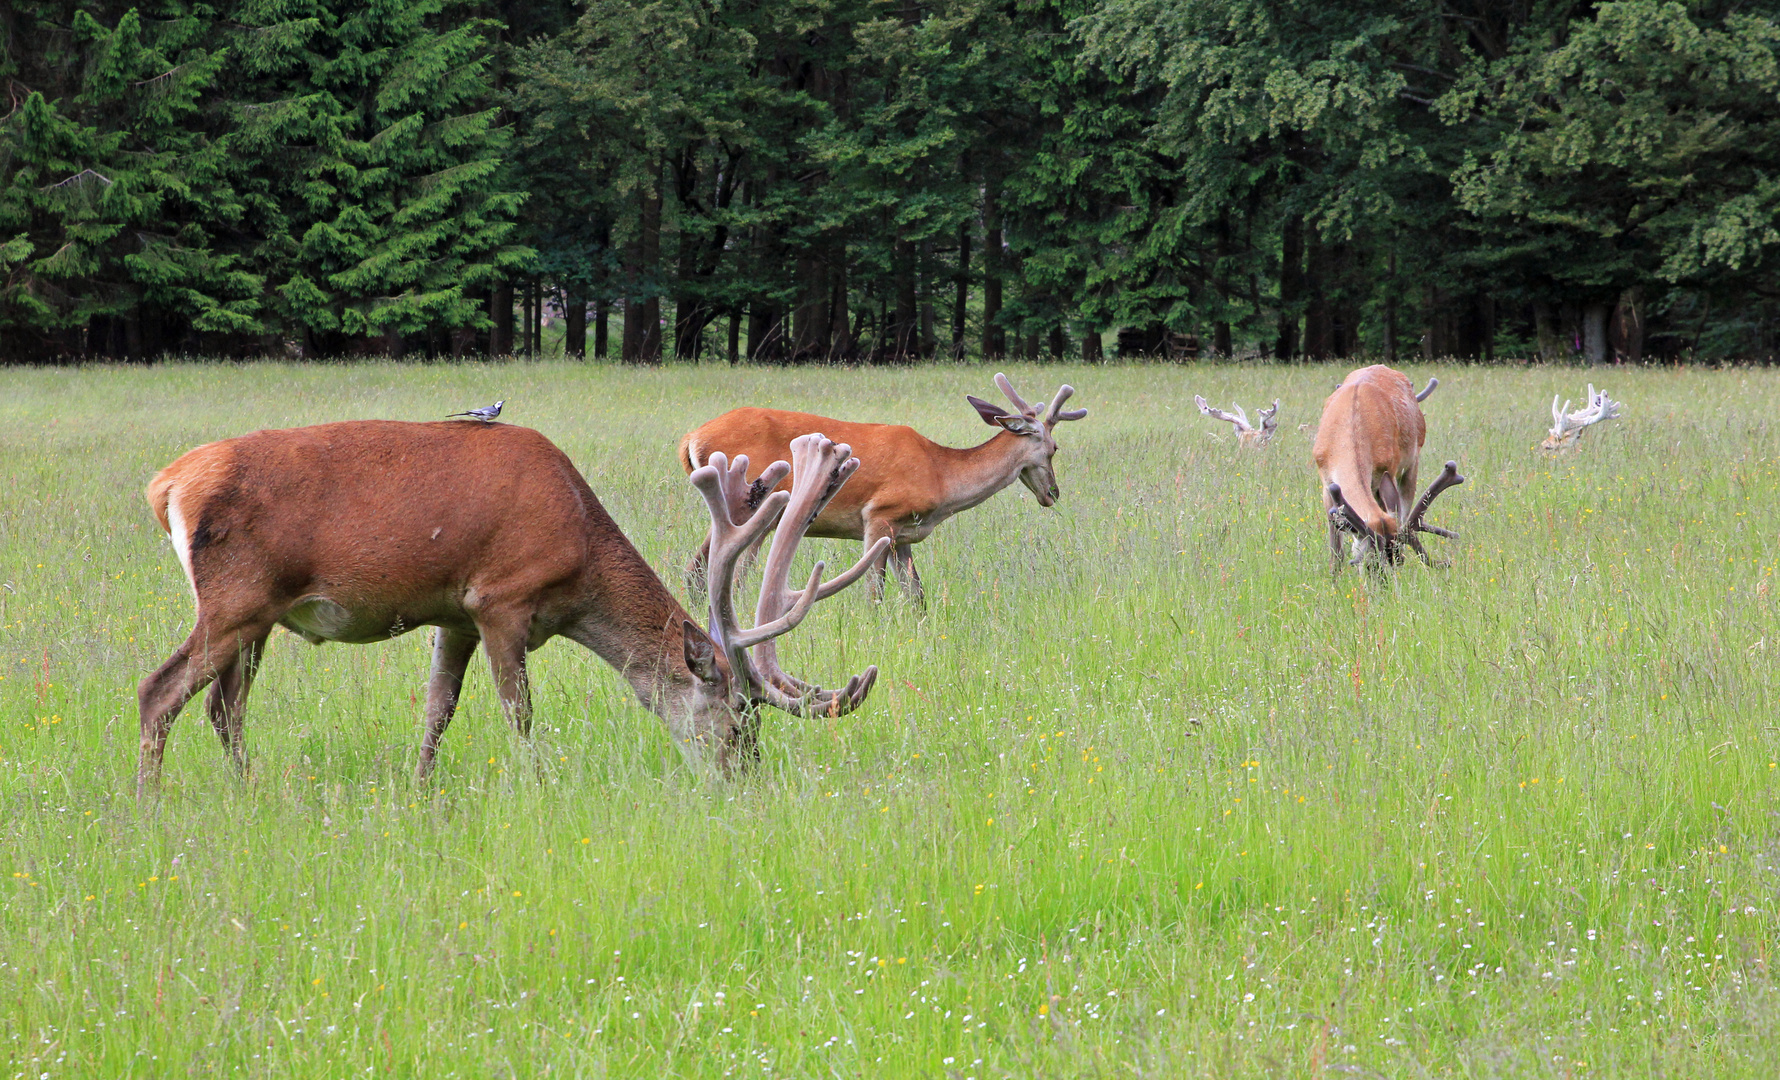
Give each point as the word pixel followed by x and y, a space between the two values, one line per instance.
pixel 875 530
pixel 902 558
pixel 451 658
pixel 505 642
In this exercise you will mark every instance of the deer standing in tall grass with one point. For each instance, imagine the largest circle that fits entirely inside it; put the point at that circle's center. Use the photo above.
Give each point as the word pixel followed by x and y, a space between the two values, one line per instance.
pixel 1368 452
pixel 361 531
pixel 908 483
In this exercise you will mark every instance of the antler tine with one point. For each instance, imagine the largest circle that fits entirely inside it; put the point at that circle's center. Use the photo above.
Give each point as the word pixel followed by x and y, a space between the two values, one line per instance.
pixel 1240 420
pixel 1057 414
pixel 1449 478
pixel 811 701
pixel 1270 417
pixel 725 491
pixel 1019 402
pixel 1557 417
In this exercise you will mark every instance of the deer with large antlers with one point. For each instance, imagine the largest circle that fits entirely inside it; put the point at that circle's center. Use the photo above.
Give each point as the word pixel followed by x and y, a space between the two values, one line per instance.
pixel 1567 427
pixel 1250 435
pixel 1368 452
pixel 360 531
pixel 907 483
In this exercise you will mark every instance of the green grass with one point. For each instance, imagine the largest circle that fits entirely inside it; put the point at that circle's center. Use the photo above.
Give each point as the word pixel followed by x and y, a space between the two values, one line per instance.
pixel 1140 793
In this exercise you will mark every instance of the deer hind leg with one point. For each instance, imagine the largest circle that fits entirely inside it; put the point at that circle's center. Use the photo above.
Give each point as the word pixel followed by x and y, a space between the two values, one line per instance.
pixel 451 657
pixel 226 704
pixel 212 645
pixel 902 559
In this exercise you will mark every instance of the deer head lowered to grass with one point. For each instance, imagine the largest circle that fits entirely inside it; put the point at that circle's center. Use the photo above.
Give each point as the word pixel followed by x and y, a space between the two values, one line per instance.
pixel 361 531
pixel 1246 434
pixel 1567 427
pixel 1368 452
pixel 907 484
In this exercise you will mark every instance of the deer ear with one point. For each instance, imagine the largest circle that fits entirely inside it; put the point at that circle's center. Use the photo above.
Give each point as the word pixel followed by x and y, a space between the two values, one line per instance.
pixel 701 653
pixel 991 414
pixel 1019 425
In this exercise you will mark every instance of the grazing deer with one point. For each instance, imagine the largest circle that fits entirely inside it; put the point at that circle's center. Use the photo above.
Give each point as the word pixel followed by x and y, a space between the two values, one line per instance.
pixel 361 531
pixel 1567 426
pixel 907 484
pixel 1246 435
pixel 1368 451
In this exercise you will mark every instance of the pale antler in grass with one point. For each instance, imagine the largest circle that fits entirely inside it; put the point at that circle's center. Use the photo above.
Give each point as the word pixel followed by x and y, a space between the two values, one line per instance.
pixel 1567 426
pixel 1246 434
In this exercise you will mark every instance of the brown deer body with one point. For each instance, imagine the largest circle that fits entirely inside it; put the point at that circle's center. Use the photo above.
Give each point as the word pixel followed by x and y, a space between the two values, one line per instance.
pixel 907 484
pixel 361 531
pixel 1368 453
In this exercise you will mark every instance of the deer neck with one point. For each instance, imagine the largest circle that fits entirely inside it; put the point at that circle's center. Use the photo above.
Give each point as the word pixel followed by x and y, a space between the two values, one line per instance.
pixel 975 473
pixel 1356 488
pixel 630 619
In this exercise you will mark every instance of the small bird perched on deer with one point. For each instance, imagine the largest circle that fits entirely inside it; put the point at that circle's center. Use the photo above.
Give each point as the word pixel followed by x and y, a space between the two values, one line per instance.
pixel 486 413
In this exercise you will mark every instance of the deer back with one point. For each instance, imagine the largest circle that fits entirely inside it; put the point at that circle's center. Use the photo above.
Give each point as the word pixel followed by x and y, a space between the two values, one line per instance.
pixel 898 467
pixel 415 519
pixel 1371 424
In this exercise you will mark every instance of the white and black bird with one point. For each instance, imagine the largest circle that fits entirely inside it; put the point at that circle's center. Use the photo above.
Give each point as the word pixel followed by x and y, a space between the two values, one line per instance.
pixel 486 413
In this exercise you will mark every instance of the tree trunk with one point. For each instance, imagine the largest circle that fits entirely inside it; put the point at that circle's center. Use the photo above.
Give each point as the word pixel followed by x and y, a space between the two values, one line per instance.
pixel 1091 350
pixel 1594 331
pixel 528 303
pixel 1221 341
pixel 765 336
pixel 994 337
pixel 1291 279
pixel 500 309
pixel 1058 344
pixel 929 339
pixel 1435 343
pixel 735 334
pixel 1486 326
pixel 903 333
pixel 133 335
pixel 840 336
pixel 601 330
pixel 961 301
pixel 1390 308
pixel 574 325
pixel 1319 321
pixel 1626 333
pixel 1545 331
pixel 649 343
pixel 808 325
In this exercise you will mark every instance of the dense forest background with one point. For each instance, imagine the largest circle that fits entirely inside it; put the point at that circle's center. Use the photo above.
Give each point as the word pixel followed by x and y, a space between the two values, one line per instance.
pixel 886 180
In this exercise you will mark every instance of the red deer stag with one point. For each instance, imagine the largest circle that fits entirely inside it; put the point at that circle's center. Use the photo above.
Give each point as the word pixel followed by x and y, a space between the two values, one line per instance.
pixel 361 531
pixel 907 483
pixel 1368 451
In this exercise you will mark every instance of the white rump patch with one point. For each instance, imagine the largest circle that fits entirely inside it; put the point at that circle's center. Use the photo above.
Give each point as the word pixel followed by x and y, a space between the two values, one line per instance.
pixel 182 539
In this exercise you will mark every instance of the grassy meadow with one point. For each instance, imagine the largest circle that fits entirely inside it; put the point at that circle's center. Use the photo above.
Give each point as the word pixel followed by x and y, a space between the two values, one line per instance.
pixel 1140 793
